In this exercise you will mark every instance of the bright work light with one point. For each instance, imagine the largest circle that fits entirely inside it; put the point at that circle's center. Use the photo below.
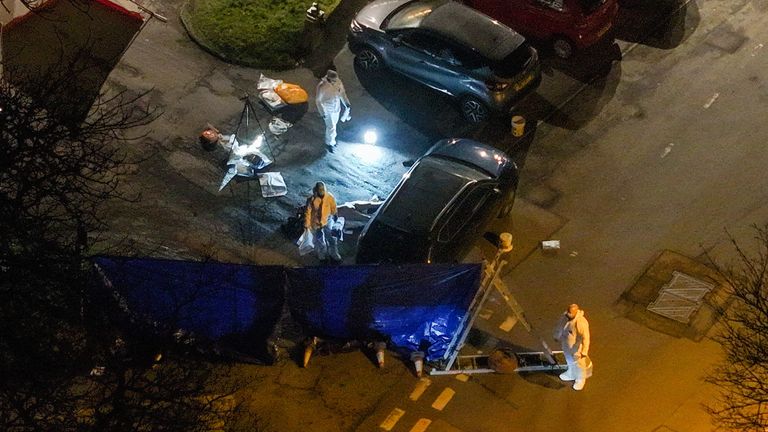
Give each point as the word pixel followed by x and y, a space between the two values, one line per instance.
pixel 370 136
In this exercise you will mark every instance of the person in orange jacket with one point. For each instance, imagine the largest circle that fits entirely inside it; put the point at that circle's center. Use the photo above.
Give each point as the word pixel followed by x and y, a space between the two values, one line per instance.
pixel 321 207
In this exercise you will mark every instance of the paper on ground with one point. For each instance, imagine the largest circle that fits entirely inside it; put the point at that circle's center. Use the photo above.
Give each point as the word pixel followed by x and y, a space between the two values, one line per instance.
pixel 272 184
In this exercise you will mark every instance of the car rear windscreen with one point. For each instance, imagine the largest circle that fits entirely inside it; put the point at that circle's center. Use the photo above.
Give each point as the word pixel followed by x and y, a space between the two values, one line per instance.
pixel 422 197
pixel 515 62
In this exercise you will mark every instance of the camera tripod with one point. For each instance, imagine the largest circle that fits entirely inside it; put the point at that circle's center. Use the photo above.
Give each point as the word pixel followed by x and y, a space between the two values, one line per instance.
pixel 249 110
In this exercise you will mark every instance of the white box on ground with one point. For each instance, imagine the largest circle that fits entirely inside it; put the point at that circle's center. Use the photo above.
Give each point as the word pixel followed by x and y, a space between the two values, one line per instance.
pixel 550 244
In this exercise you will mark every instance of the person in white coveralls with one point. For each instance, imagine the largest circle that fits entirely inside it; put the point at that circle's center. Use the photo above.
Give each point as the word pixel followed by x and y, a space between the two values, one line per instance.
pixel 330 97
pixel 573 332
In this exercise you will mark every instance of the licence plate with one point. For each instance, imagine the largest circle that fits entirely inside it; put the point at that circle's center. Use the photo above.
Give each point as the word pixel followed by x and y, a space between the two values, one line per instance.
pixel 523 82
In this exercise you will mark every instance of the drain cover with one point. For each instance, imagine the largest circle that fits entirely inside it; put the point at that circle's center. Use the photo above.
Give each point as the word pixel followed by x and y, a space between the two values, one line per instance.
pixel 681 297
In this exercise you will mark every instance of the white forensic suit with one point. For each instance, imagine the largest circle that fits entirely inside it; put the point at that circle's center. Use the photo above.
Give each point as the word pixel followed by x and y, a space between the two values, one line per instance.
pixel 330 97
pixel 574 336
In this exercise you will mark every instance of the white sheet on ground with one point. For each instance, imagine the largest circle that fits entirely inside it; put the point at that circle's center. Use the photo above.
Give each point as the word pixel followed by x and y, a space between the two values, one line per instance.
pixel 272 185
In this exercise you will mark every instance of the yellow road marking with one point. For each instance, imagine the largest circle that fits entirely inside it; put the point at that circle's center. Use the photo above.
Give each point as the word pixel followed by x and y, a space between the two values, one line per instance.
pixel 421 425
pixel 443 399
pixel 420 388
pixel 462 377
pixel 392 419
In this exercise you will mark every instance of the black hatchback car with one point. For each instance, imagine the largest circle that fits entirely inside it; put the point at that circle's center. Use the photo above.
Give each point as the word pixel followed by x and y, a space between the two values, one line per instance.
pixel 483 64
pixel 441 206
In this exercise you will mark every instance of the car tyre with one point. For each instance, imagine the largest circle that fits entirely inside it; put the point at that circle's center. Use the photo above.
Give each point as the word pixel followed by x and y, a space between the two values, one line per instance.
pixel 368 60
pixel 474 110
pixel 562 47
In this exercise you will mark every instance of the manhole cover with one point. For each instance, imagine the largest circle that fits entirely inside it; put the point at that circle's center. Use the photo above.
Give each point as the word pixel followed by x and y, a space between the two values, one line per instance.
pixel 681 297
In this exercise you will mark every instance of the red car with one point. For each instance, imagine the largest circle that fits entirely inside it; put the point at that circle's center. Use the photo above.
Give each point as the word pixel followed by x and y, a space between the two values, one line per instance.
pixel 568 24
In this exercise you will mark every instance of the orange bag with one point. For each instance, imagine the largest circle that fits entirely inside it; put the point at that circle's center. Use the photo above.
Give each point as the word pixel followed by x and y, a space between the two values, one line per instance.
pixel 291 93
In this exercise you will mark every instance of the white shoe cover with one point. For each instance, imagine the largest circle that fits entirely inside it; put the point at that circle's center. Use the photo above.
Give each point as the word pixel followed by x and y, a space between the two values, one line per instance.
pixel 579 384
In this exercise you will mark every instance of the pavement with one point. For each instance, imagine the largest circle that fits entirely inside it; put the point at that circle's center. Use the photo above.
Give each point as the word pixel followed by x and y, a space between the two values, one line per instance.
pixel 660 151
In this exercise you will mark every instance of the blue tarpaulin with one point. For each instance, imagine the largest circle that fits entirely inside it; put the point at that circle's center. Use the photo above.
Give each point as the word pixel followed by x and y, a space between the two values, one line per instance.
pixel 213 300
pixel 413 307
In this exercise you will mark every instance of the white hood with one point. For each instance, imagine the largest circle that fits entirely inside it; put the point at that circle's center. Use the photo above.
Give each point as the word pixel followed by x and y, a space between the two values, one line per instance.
pixel 375 12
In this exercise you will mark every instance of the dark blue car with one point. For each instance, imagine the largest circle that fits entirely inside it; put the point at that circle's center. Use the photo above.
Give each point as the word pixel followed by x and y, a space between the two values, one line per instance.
pixel 441 206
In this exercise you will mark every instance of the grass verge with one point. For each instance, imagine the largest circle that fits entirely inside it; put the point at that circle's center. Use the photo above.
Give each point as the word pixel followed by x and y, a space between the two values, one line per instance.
pixel 259 33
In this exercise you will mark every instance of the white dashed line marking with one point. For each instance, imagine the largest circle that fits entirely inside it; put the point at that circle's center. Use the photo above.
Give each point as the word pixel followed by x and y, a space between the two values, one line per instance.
pixel 711 100
pixel 667 150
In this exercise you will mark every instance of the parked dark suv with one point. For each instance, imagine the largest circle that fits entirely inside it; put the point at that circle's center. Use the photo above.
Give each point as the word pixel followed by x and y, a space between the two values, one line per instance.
pixel 441 206
pixel 445 45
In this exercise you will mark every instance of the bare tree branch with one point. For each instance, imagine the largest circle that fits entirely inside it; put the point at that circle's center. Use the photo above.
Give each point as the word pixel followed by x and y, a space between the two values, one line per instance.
pixel 61 158
pixel 743 376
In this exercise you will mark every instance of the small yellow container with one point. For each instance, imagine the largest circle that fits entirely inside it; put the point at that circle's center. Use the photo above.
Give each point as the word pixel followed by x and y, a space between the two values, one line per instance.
pixel 518 126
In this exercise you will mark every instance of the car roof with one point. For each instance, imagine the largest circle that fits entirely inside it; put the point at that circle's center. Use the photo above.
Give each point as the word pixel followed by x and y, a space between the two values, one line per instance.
pixel 428 188
pixel 465 25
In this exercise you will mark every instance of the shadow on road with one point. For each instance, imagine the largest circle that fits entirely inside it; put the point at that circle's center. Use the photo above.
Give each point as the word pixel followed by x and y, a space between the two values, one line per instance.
pixel 598 73
pixel 549 380
pixel 663 24
pixel 588 103
pixel 587 65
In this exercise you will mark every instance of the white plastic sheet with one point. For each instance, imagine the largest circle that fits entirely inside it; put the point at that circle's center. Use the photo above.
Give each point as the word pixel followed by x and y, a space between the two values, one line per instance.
pixel 241 161
pixel 272 184
pixel 278 126
pixel 266 83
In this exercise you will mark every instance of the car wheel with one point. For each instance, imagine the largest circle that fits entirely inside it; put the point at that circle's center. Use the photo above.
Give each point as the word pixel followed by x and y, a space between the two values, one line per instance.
pixel 474 110
pixel 563 48
pixel 368 60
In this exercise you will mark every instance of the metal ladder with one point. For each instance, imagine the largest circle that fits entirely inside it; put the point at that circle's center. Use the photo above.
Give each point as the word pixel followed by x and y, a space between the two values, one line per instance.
pixel 479 363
